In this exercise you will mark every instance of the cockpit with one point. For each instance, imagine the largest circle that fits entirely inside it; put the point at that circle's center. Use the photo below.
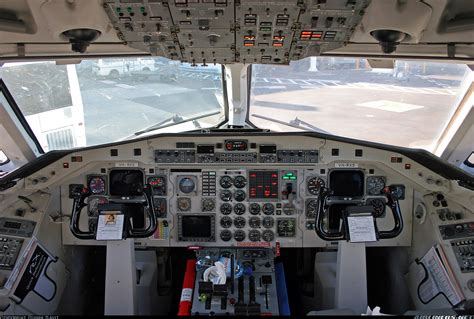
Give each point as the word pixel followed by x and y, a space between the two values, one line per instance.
pixel 220 158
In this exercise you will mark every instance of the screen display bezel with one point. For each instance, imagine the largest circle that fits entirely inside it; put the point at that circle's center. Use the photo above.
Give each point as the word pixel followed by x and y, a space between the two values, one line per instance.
pixel 346 194
pixel 271 198
pixel 113 191
pixel 194 237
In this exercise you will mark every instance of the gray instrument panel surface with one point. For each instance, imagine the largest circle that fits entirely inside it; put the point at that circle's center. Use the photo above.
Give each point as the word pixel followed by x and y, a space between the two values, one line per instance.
pixel 17 227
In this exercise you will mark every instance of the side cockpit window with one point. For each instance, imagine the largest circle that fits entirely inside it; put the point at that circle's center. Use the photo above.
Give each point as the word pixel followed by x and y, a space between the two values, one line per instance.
pixel 470 160
pixel 3 158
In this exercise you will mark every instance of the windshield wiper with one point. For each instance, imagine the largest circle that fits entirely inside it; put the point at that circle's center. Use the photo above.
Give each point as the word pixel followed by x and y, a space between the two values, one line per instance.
pixel 296 123
pixel 174 120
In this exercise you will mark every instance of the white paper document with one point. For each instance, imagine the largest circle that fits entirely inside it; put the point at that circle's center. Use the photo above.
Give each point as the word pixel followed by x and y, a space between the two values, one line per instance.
pixel 361 229
pixel 439 280
pixel 110 227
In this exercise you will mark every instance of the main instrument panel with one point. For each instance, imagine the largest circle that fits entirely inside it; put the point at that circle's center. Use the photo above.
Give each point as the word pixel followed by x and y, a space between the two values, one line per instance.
pixel 220 191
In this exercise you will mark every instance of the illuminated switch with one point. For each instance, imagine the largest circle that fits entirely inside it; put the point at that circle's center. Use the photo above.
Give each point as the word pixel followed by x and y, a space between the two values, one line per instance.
pixel 249 43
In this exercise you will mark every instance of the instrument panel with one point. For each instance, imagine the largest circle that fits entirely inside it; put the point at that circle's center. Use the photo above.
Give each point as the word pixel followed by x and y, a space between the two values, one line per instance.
pixel 255 193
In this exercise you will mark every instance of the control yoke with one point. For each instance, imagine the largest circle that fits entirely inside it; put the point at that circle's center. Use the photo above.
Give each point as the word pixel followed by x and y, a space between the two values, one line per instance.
pixel 79 196
pixel 322 210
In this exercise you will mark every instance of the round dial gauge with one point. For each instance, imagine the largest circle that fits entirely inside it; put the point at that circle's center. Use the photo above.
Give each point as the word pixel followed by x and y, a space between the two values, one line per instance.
pixel 268 209
pixel 254 235
pixel 226 235
pixel 254 209
pixel 239 222
pixel 208 204
pixel 184 204
pixel 226 208
pixel 378 205
pixel 186 185
pixel 97 185
pixel 93 203
pixel 226 195
pixel 239 208
pixel 254 222
pixel 375 185
pixel 268 222
pixel 311 208
pixel 314 185
pixel 226 222
pixel 240 181
pixel 156 181
pixel 239 195
pixel 268 235
pixel 239 235
pixel 226 181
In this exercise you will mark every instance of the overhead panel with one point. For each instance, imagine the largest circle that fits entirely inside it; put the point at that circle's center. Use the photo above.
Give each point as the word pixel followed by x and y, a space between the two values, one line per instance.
pixel 264 30
pixel 326 25
pixel 245 31
pixel 145 25
pixel 204 30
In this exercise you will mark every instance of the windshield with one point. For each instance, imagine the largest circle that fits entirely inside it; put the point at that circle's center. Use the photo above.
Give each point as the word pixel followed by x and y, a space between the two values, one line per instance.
pixel 409 105
pixel 106 100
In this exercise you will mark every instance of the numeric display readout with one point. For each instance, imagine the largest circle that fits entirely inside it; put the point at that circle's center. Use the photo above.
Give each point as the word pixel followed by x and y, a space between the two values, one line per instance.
pixel 263 184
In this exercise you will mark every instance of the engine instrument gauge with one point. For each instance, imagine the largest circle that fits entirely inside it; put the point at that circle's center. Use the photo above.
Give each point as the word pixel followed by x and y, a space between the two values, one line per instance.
pixel 226 181
pixel 239 222
pixel 268 235
pixel 268 222
pixel 239 209
pixel 226 209
pixel 254 209
pixel 268 209
pixel 226 195
pixel 314 185
pixel 239 235
pixel 226 222
pixel 96 184
pixel 254 222
pixel 239 195
pixel 240 181
pixel 254 235
pixel 226 235
pixel 375 185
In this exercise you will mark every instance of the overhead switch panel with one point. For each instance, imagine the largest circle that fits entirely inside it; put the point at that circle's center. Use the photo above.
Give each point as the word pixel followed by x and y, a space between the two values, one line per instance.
pixel 201 32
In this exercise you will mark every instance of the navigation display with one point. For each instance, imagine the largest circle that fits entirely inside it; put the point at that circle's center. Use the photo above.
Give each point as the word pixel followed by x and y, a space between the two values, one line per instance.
pixel 196 227
pixel 263 184
pixel 347 183
pixel 126 182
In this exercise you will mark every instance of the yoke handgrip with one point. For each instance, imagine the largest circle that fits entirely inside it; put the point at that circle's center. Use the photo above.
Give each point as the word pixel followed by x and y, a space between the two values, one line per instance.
pixel 392 202
pixel 150 212
pixel 319 227
pixel 397 216
pixel 77 206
